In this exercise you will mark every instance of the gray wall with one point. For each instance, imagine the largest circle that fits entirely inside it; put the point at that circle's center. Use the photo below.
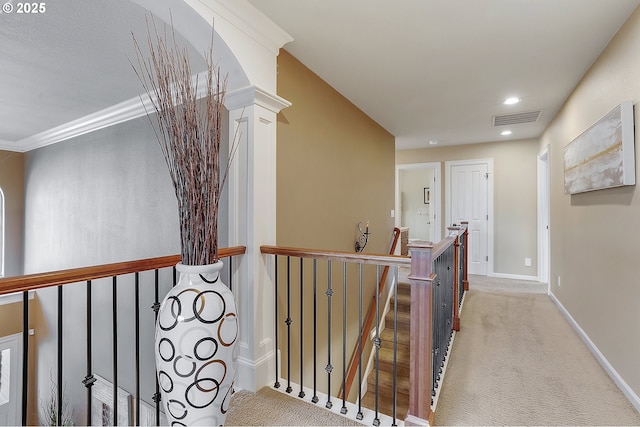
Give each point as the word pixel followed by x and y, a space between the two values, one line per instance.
pixel 100 198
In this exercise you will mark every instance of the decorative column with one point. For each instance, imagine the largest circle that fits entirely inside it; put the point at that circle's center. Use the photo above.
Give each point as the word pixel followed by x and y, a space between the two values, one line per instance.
pixel 252 223
pixel 421 342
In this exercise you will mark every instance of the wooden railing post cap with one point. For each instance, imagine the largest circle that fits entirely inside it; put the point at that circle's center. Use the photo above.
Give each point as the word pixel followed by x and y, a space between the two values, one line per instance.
pixel 420 245
pixel 454 229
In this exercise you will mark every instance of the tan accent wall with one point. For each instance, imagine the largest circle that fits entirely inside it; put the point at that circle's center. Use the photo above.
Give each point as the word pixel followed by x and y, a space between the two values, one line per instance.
pixel 12 184
pixel 515 200
pixel 594 236
pixel 335 168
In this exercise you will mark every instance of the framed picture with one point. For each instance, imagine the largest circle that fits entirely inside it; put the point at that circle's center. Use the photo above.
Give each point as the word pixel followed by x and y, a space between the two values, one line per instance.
pixel 148 415
pixel 102 404
pixel 602 156
pixel 427 195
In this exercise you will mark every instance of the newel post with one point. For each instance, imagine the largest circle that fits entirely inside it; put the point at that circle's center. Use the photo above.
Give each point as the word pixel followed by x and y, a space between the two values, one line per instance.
pixel 465 257
pixel 421 342
pixel 456 276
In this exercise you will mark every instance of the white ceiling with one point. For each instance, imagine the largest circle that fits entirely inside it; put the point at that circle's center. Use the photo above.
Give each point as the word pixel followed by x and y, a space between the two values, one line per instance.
pixel 424 69
pixel 440 69
pixel 65 64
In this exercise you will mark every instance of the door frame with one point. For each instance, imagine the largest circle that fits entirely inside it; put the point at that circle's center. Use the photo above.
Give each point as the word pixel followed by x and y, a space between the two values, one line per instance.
pixel 447 200
pixel 15 378
pixel 436 194
pixel 544 216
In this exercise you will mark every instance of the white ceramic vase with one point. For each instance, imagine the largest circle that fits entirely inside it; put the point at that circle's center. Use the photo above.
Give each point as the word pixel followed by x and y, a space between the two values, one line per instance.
pixel 196 351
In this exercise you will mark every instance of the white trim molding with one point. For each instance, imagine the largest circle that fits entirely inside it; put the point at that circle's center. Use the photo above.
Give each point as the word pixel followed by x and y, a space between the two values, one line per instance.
pixel 513 276
pixel 14 297
pixel 620 382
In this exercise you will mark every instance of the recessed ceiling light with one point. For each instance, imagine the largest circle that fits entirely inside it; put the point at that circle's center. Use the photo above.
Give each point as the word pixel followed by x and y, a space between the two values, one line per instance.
pixel 511 101
pixel 506 132
pixel 433 142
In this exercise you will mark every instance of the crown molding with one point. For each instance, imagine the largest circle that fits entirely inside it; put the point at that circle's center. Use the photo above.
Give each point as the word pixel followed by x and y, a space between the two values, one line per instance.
pixel 122 112
pixel 130 109
pixel 248 19
pixel 137 107
pixel 10 146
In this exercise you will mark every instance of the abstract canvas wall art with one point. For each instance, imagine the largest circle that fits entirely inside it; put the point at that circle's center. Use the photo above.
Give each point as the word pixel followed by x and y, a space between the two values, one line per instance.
pixel 603 156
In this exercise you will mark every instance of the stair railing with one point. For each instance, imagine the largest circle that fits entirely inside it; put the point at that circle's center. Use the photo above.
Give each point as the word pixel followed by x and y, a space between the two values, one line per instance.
pixel 355 363
pixel 434 307
pixel 437 277
pixel 319 348
pixel 88 275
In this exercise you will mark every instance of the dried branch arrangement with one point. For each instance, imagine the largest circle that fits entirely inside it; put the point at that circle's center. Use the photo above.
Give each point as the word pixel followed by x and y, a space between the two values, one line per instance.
pixel 188 131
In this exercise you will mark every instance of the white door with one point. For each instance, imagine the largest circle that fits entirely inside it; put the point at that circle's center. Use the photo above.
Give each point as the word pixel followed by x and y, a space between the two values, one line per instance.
pixel 419 184
pixel 543 217
pixel 10 382
pixel 469 201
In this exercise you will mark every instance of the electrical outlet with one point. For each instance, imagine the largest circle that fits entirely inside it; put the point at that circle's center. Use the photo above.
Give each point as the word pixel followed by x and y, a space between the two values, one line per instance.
pixel 558 281
pixel 527 262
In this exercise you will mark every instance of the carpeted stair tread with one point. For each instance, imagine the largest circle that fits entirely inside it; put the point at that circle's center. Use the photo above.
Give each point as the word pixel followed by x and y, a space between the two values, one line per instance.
pixel 386 356
pixel 385 404
pixel 404 320
pixel 387 337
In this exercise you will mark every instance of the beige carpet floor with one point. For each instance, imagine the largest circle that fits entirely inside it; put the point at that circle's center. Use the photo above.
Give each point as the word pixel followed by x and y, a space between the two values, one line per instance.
pixel 516 361
pixel 269 407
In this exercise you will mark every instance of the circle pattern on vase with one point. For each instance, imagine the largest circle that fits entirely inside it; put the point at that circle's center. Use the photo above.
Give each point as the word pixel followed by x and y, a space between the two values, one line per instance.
pixel 195 353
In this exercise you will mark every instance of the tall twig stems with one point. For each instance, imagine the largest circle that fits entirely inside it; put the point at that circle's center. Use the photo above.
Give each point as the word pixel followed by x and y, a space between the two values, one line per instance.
pixel 189 133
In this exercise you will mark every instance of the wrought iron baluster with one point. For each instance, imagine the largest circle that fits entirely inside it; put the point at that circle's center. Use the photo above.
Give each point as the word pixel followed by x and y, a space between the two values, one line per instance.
pixel 155 307
pixel 114 292
pixel 89 379
pixel 25 354
pixel 395 347
pixel 175 276
pixel 343 410
pixel 377 342
pixel 137 323
pixel 315 398
pixel 275 296
pixel 359 415
pixel 301 394
pixel 230 281
pixel 329 367
pixel 289 322
pixel 60 354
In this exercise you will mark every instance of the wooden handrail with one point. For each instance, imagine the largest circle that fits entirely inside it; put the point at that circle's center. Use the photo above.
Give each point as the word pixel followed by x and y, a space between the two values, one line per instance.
pixel 74 275
pixel 353 363
pixel 376 259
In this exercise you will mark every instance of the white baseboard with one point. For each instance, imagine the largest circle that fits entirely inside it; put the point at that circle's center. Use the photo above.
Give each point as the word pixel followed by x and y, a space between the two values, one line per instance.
pixel 621 383
pixel 252 375
pixel 513 276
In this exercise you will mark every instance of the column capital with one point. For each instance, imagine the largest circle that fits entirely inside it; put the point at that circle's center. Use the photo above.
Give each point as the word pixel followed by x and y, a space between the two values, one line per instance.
pixel 254 95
